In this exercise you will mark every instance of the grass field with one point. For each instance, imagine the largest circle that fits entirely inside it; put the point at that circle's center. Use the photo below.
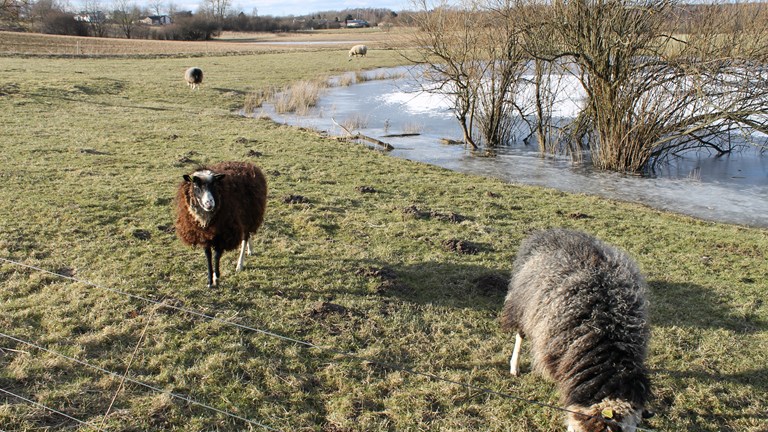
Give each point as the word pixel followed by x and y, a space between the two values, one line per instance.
pixel 229 43
pixel 92 150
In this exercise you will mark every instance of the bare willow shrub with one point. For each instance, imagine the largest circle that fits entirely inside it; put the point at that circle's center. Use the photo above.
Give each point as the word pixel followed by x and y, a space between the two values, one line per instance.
pixel 472 55
pixel 612 43
pixel 446 38
pixel 546 80
pixel 503 62
pixel 661 77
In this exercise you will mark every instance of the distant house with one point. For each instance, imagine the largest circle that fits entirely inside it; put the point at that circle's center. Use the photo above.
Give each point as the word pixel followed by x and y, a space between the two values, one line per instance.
pixel 91 17
pixel 356 23
pixel 156 20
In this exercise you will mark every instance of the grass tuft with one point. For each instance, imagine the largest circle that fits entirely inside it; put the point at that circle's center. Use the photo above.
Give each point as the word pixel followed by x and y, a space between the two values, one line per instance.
pixel 256 99
pixel 355 122
pixel 300 97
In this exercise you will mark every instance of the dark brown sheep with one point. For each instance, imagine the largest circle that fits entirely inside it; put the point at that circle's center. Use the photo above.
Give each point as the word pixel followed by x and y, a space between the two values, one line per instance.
pixel 218 207
pixel 582 303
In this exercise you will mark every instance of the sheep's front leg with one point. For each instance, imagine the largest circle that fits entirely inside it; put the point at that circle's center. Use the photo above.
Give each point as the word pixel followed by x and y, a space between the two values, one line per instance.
pixel 210 267
pixel 216 273
pixel 514 368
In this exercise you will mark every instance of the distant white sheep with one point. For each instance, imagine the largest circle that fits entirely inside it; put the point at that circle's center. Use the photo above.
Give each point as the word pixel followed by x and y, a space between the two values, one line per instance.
pixel 582 303
pixel 194 77
pixel 358 50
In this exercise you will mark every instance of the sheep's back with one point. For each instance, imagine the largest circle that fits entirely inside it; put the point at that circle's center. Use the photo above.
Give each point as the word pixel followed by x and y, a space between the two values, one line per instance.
pixel 582 304
pixel 242 199
pixel 194 75
pixel 358 50
pixel 241 196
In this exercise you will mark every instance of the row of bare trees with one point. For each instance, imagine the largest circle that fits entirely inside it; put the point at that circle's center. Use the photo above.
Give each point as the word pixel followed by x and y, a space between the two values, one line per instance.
pixel 657 77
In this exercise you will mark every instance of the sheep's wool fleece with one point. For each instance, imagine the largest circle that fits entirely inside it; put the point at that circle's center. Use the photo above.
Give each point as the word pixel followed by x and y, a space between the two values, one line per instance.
pixel 582 305
pixel 240 204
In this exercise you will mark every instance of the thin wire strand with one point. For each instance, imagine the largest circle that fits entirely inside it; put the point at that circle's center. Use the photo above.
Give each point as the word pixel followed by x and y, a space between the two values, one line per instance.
pixel 137 382
pixel 480 390
pixel 38 404
pixel 128 367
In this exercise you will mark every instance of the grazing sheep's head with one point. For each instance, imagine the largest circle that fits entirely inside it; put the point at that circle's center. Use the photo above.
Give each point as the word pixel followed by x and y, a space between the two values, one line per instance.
pixel 202 200
pixel 610 415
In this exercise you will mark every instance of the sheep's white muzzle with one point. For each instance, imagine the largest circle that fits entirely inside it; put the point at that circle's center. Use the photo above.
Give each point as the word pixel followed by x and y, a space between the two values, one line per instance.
pixel 207 202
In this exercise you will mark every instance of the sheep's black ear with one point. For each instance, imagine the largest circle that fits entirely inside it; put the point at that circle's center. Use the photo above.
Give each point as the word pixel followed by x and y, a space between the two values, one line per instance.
pixel 187 178
pixel 648 414
pixel 218 176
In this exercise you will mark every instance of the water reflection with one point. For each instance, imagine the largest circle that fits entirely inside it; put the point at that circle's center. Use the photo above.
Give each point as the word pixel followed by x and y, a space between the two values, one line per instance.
pixel 731 188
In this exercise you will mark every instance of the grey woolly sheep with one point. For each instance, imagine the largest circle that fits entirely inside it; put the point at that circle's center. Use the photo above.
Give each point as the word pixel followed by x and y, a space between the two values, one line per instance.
pixel 582 303
pixel 358 50
pixel 218 207
pixel 194 77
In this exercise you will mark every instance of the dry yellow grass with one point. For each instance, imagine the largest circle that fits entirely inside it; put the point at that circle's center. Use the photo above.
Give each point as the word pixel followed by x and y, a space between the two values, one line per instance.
pixel 12 43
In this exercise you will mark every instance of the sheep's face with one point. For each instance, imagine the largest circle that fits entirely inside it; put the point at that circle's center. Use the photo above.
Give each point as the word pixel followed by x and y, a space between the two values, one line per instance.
pixel 606 416
pixel 203 189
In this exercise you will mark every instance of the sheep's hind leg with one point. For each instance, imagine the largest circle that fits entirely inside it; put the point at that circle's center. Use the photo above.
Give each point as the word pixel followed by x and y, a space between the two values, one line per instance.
pixel 514 367
pixel 245 244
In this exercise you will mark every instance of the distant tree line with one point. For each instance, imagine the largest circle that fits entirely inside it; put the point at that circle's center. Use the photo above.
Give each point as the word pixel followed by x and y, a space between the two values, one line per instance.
pixel 121 19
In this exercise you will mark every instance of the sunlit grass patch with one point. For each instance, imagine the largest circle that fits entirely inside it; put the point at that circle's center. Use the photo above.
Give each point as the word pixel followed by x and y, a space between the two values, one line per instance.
pixel 359 265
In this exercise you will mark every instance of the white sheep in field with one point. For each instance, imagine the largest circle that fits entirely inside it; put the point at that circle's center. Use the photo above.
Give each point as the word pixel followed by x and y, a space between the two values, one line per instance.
pixel 358 50
pixel 582 303
pixel 194 77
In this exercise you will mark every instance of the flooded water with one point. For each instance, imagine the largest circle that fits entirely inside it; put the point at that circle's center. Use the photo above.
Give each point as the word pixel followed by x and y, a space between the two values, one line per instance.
pixel 732 188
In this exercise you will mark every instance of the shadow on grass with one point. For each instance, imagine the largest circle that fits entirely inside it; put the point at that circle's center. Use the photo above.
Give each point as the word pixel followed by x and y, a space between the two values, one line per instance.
pixel 93 102
pixel 690 305
pixel 441 284
pixel 756 378
pixel 229 91
pixel 733 408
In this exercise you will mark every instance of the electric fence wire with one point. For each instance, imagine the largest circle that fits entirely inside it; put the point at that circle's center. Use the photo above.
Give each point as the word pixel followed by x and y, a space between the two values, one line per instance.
pixel 350 355
pixel 140 383
pixel 39 405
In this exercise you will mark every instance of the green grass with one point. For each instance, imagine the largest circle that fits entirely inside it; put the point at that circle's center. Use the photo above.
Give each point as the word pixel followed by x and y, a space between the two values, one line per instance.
pixel 92 150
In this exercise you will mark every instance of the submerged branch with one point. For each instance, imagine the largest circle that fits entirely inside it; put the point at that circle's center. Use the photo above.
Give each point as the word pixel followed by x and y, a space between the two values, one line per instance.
pixel 359 136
